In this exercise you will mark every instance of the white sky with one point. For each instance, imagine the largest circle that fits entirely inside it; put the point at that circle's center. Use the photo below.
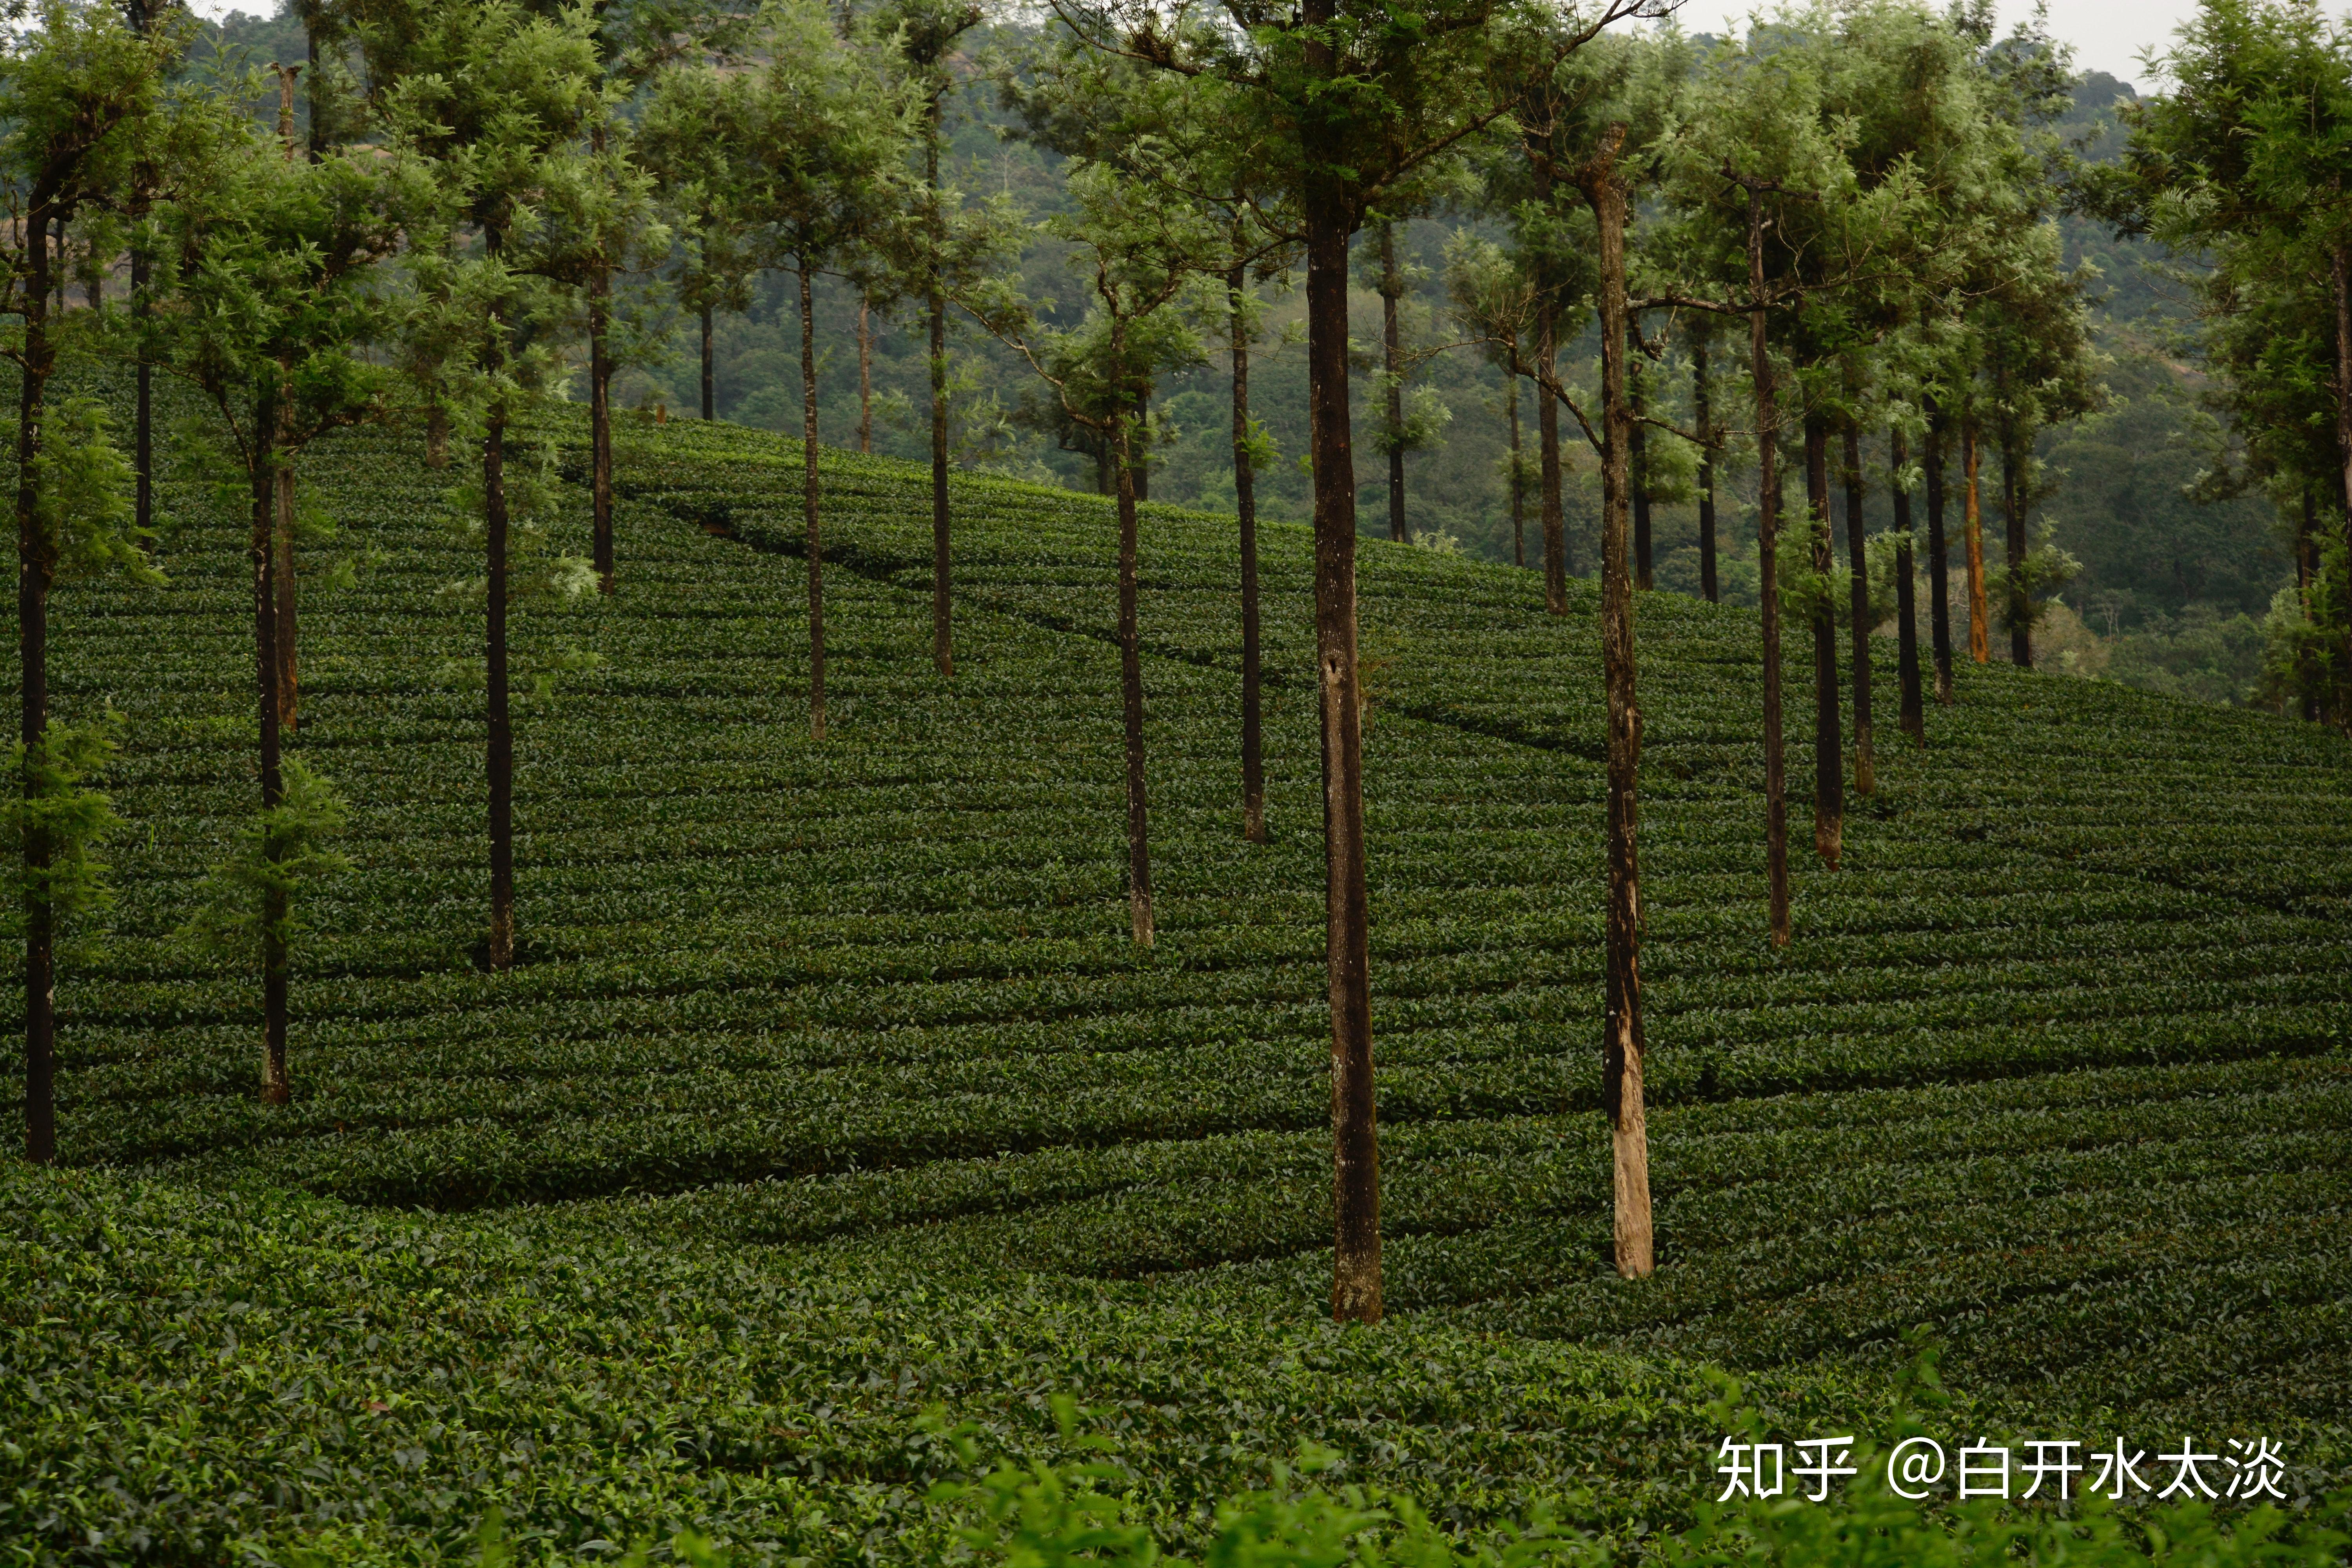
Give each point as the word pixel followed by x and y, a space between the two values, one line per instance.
pixel 2107 35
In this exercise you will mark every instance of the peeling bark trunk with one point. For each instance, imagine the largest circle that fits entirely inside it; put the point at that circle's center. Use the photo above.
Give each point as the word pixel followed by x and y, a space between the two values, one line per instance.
pixel 809 506
pixel 1939 585
pixel 1246 511
pixel 1913 719
pixel 1621 1029
pixel 1705 431
pixel 1829 764
pixel 1768 546
pixel 1866 773
pixel 1356 1172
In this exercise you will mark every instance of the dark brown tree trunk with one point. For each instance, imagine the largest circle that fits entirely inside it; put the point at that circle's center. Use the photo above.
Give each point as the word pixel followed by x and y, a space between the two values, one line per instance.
pixel 2306 574
pixel 1393 361
pixel 502 729
pixel 1246 511
pixel 709 375
pixel 1703 405
pixel 1979 614
pixel 1829 764
pixel 289 688
pixel 1865 772
pixel 2340 271
pixel 1356 1172
pixel 317 134
pixel 1555 527
pixel 1130 685
pixel 142 427
pixel 1768 546
pixel 942 654
pixel 1940 577
pixel 34 567
pixel 600 413
pixel 2021 593
pixel 1519 488
pixel 1639 467
pixel 864 372
pixel 1914 718
pixel 809 506
pixel 276 1085
pixel 1622 1028
pixel 1140 440
pixel 437 436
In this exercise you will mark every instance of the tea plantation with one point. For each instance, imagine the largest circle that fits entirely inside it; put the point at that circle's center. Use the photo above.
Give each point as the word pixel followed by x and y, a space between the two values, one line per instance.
pixel 831 1091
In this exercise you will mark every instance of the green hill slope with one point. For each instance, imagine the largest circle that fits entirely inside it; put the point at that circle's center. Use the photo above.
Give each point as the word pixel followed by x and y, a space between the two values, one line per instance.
pixel 2056 1064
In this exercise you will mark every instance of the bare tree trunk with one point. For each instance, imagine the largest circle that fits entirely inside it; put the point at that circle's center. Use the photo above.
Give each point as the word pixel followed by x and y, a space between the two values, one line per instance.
pixel 277 1085
pixel 942 654
pixel 1704 406
pixel 1622 1038
pixel 709 375
pixel 1865 774
pixel 1130 683
pixel 1768 546
pixel 1913 719
pixel 1246 511
pixel 1939 587
pixel 864 372
pixel 1555 527
pixel 437 436
pixel 1141 441
pixel 2306 574
pixel 1519 488
pixel 1356 1172
pixel 143 429
pixel 599 411
pixel 34 568
pixel 287 682
pixel 2340 271
pixel 500 723
pixel 1980 635
pixel 1638 443
pixel 2020 591
pixel 1829 764
pixel 1392 361
pixel 809 506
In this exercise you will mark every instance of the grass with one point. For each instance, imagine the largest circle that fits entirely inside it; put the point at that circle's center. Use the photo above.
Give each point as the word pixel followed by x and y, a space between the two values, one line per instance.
pixel 831 1088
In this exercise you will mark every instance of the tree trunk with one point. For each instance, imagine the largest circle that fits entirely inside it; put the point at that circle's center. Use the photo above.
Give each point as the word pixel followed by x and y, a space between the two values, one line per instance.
pixel 268 606
pixel 1622 1028
pixel 1829 764
pixel 1246 511
pixel 2339 272
pixel 35 566
pixel 317 134
pixel 1914 719
pixel 1555 527
pixel 1703 406
pixel 283 569
pixel 864 372
pixel 1638 446
pixel 1130 685
pixel 1518 489
pixel 1141 440
pixel 2307 573
pixel 1393 361
pixel 599 421
pixel 1980 635
pixel 142 427
pixel 2020 591
pixel 942 655
pixel 1939 585
pixel 1866 773
pixel 1768 508
pixel 502 729
pixel 809 506
pixel 437 436
pixel 710 376
pixel 1356 1172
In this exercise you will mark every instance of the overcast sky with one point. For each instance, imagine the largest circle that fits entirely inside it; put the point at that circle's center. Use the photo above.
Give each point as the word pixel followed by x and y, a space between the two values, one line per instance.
pixel 2107 35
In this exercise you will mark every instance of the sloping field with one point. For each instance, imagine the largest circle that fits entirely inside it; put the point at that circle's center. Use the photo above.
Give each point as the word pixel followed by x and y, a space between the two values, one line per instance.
pixel 830 1086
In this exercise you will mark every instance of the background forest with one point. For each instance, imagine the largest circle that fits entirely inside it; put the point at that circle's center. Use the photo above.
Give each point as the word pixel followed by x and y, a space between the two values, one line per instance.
pixel 2174 580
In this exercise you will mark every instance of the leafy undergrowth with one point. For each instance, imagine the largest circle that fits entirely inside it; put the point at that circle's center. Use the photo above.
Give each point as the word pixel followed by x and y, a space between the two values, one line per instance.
pixel 2056 1065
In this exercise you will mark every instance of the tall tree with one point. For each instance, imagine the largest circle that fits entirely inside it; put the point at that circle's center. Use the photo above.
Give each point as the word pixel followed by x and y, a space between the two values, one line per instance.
pixel 79 98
